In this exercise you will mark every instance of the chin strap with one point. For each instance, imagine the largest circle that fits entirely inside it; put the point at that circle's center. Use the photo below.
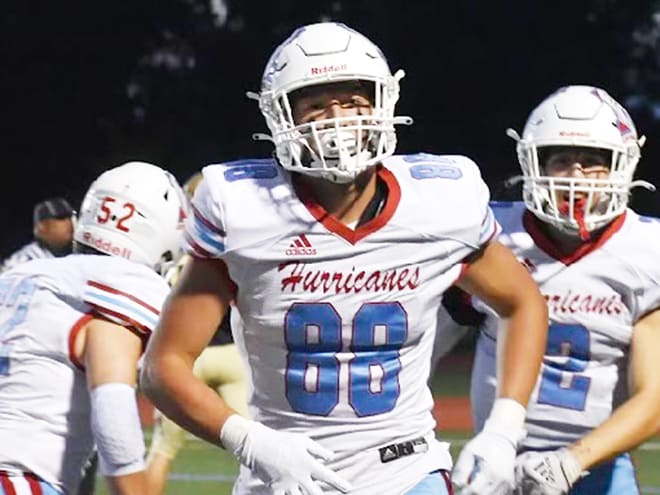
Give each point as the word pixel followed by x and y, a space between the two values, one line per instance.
pixel 585 235
pixel 578 210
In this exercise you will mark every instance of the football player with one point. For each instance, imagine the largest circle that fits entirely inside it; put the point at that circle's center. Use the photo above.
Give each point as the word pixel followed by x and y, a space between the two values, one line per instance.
pixel 219 366
pixel 335 255
pixel 72 330
pixel 596 262
pixel 52 228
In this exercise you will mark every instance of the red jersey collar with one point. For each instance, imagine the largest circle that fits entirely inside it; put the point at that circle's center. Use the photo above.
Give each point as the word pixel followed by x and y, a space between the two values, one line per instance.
pixel 533 227
pixel 335 226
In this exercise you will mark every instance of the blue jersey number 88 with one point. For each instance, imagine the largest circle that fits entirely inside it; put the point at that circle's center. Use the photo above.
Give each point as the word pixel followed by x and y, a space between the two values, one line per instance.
pixel 312 332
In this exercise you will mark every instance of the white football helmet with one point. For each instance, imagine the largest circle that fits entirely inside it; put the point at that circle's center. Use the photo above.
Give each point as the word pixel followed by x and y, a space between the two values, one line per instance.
pixel 337 149
pixel 135 211
pixel 583 116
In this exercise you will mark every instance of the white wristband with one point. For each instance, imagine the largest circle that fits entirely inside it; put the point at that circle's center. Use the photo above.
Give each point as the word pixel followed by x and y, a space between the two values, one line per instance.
pixel 507 419
pixel 233 433
pixel 116 425
pixel 509 412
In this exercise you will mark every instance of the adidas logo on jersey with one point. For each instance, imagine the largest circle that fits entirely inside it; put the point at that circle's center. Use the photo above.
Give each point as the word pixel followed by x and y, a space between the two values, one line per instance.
pixel 300 247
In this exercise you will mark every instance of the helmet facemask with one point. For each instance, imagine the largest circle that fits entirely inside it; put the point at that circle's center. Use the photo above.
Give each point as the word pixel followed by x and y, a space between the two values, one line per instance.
pixel 575 205
pixel 586 118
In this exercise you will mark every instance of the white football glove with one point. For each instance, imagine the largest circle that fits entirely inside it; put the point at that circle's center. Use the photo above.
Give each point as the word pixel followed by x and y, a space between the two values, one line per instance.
pixel 486 464
pixel 547 473
pixel 287 462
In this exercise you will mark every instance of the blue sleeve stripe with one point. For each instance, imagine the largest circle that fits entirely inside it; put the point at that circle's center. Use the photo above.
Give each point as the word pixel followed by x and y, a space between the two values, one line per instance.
pixel 489 227
pixel 487 222
pixel 195 249
pixel 199 218
pixel 112 303
pixel 207 238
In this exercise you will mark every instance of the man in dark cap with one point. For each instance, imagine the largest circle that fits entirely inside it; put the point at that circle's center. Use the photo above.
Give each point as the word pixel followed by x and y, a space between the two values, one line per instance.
pixel 53 233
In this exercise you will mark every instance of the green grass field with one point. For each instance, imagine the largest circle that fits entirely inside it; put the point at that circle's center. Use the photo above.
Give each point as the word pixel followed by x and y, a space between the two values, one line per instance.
pixel 202 469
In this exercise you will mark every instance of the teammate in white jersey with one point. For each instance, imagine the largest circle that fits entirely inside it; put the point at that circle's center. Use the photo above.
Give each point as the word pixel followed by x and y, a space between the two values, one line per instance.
pixel 72 330
pixel 597 264
pixel 336 256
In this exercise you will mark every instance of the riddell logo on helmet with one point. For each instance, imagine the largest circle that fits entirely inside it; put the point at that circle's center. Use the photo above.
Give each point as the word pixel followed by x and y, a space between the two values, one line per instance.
pixel 574 133
pixel 327 69
pixel 106 246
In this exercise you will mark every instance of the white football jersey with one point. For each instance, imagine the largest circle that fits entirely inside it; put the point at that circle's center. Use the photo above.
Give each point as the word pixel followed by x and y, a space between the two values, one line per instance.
pixel 31 251
pixel 338 324
pixel 594 297
pixel 44 404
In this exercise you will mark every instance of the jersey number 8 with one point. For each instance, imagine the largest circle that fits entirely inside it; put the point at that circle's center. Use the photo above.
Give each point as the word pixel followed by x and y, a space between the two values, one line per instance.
pixel 313 337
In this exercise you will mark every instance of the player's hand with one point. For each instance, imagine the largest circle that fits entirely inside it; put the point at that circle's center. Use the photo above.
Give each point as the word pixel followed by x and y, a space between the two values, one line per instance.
pixel 546 473
pixel 485 466
pixel 287 462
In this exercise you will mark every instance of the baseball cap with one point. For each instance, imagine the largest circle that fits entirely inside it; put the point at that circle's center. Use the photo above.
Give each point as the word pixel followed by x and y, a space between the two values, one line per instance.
pixel 52 208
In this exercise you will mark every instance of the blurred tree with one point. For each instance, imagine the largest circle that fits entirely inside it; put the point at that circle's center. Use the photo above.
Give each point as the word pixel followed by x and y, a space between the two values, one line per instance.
pixel 90 84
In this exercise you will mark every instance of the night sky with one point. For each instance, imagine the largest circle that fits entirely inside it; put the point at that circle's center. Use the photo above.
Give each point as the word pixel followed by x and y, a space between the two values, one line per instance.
pixel 88 85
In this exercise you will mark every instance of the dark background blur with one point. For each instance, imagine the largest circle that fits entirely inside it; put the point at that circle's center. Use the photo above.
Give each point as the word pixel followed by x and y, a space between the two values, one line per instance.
pixel 87 85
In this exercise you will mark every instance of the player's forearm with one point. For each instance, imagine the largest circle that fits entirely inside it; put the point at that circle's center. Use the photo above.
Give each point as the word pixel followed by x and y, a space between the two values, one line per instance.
pixel 158 469
pixel 631 424
pixel 128 484
pixel 521 345
pixel 639 417
pixel 172 387
pixel 496 277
